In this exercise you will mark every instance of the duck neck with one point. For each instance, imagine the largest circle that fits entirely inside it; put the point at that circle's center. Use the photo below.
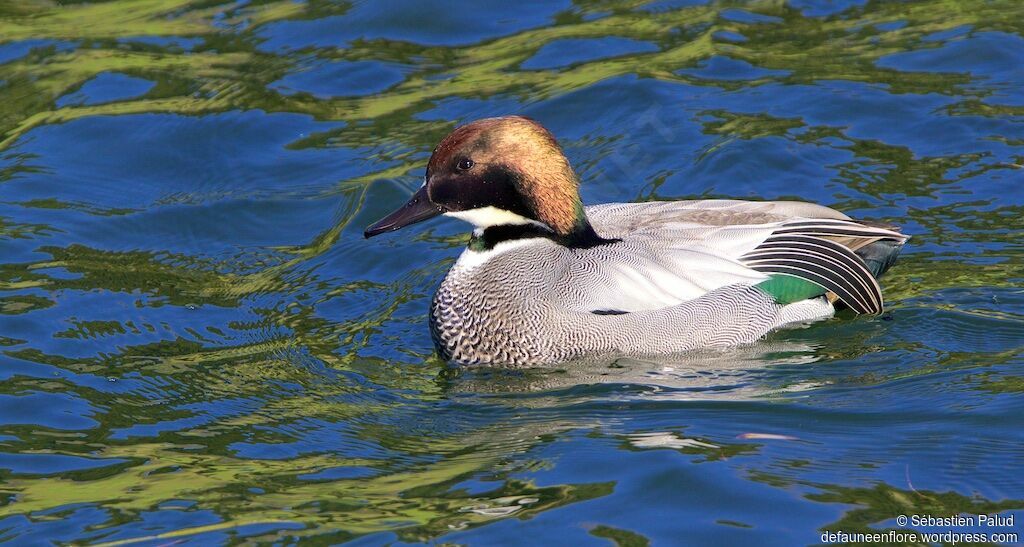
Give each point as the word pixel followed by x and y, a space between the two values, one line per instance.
pixel 485 239
pixel 582 236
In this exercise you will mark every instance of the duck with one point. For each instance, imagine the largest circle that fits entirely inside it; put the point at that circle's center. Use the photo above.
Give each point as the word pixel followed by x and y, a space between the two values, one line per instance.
pixel 545 279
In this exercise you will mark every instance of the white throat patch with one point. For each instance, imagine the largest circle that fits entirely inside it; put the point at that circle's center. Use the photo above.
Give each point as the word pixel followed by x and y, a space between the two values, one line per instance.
pixel 485 217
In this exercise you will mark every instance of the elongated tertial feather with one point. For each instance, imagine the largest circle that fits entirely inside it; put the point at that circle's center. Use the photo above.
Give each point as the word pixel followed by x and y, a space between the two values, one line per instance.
pixel 808 250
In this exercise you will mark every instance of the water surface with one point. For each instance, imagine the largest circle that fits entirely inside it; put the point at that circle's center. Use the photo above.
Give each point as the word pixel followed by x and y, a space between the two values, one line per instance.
pixel 197 346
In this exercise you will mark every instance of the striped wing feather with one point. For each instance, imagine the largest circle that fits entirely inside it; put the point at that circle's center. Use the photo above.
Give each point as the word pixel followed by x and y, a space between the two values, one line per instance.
pixel 822 252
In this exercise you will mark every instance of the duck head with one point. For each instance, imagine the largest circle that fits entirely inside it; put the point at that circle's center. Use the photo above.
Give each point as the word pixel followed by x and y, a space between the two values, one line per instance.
pixel 499 174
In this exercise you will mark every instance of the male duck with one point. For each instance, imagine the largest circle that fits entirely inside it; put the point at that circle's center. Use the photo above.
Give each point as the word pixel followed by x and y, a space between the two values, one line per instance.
pixel 546 280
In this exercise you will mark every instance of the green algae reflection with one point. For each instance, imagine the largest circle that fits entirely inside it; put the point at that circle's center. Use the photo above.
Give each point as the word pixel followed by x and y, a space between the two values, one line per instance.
pixel 284 369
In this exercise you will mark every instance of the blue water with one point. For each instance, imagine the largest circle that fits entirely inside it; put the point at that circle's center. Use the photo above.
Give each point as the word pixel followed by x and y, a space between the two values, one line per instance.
pixel 197 346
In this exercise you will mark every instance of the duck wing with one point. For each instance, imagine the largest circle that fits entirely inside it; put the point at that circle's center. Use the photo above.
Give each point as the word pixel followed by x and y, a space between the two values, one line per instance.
pixel 620 219
pixel 641 273
pixel 792 250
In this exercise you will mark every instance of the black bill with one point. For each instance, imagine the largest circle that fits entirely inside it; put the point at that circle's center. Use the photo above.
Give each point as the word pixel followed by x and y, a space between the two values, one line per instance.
pixel 417 209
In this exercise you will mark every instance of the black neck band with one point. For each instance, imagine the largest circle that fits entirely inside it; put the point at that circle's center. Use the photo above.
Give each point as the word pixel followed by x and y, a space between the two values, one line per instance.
pixel 583 238
pixel 494 235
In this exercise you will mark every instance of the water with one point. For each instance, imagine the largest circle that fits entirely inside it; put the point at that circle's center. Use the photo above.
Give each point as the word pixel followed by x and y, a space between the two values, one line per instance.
pixel 197 346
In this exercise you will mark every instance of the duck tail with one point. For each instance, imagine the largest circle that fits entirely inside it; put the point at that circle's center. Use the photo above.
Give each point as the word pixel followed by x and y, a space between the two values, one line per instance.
pixel 880 255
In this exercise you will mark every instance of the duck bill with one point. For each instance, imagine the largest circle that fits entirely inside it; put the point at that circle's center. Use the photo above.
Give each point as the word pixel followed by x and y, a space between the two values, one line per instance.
pixel 417 209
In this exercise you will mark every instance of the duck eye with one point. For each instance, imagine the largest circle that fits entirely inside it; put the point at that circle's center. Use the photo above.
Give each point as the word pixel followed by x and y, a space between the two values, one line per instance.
pixel 465 164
